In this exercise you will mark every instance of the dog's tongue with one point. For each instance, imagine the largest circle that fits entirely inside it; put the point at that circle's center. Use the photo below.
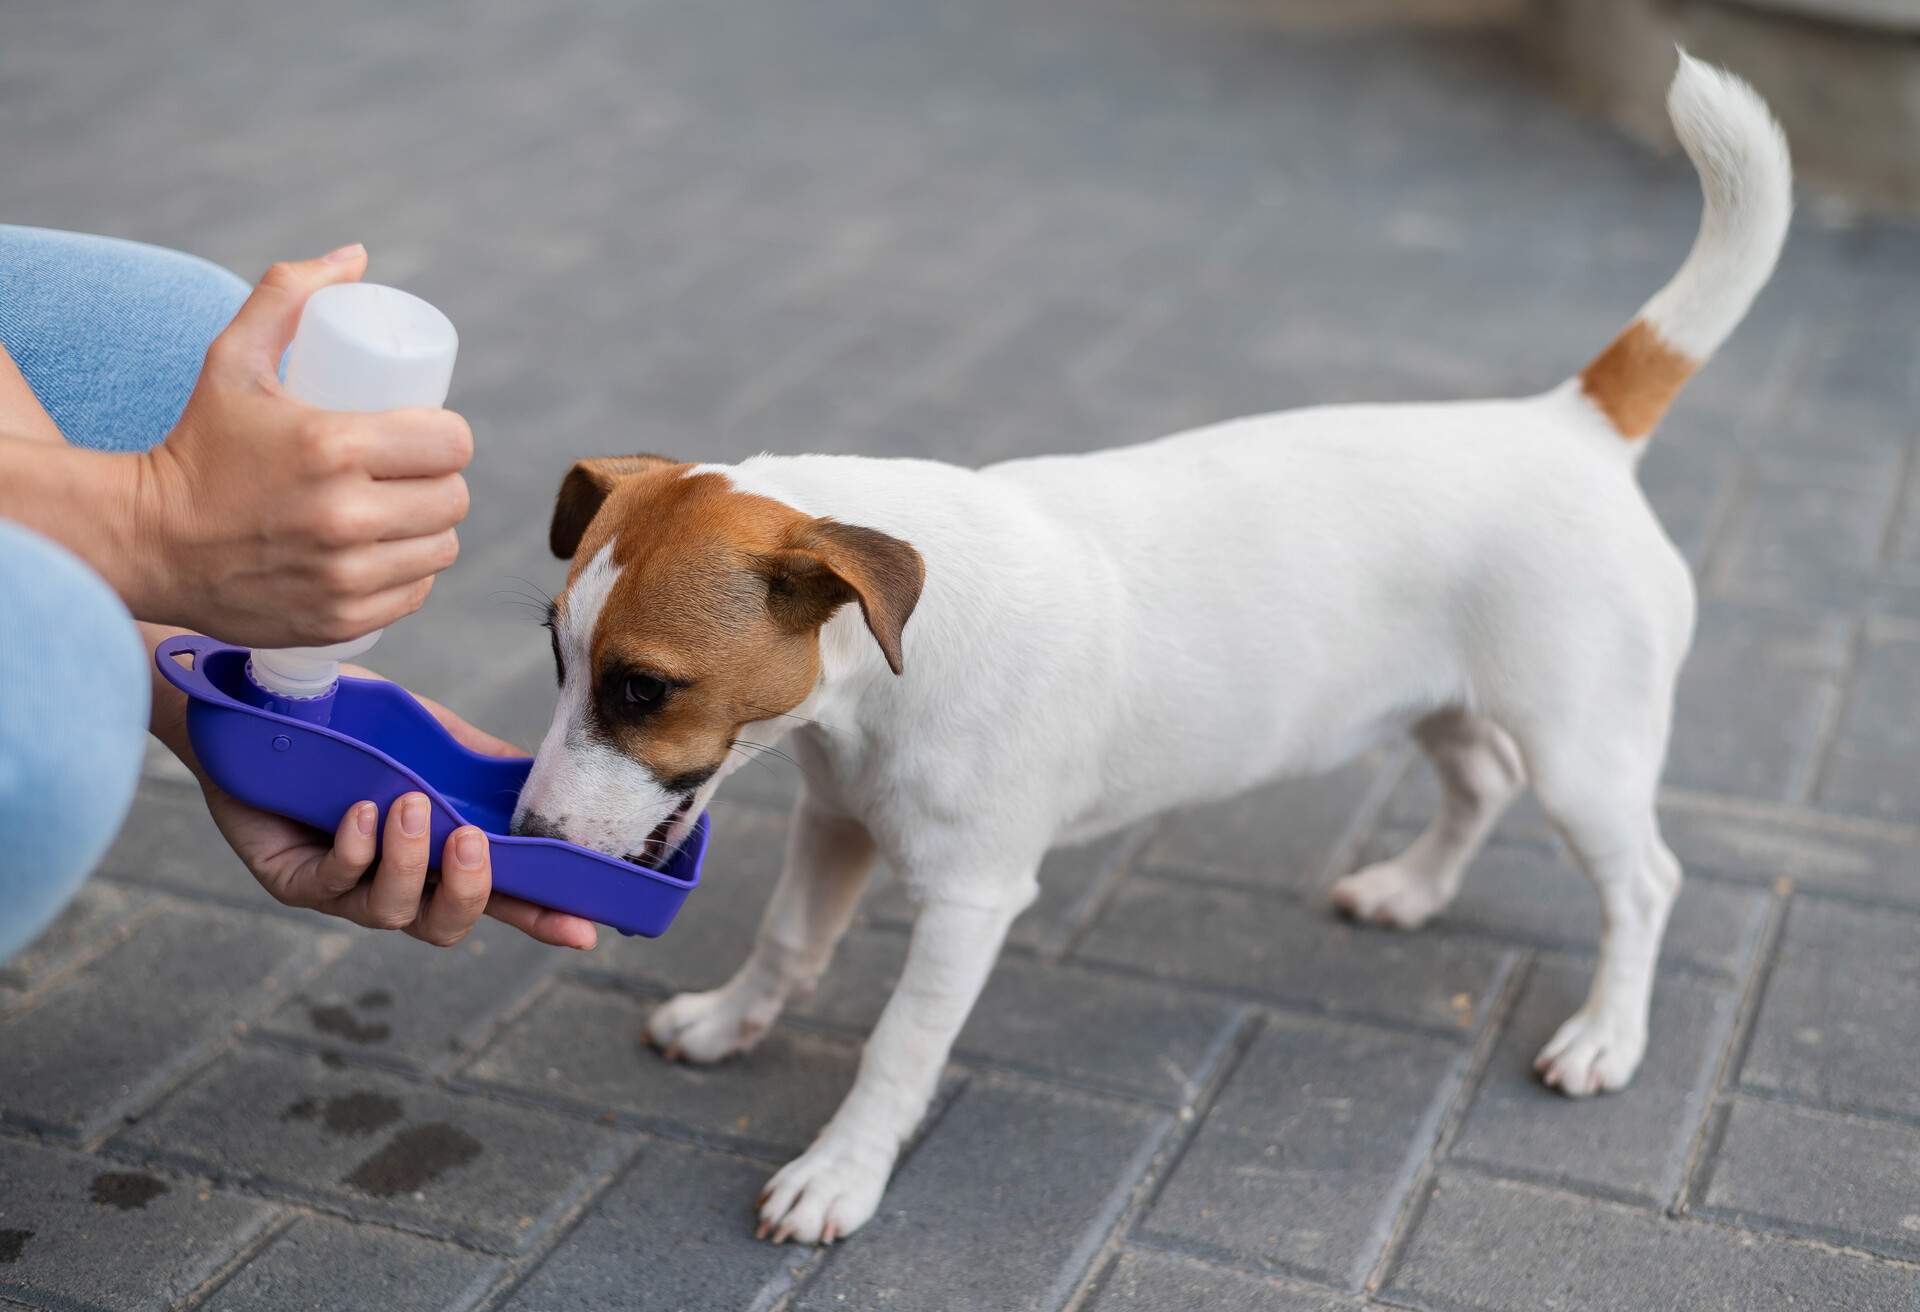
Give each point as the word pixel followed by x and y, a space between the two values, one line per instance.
pixel 654 852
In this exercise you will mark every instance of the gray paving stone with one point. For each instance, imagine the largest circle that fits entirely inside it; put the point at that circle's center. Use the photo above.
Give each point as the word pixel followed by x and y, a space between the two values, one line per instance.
pixel 1788 540
pixel 1070 879
pixel 99 913
pixel 101 1042
pixel 883 351
pixel 1145 1281
pixel 1284 835
pixel 1754 696
pixel 1486 1244
pixel 1765 845
pixel 1870 770
pixel 1272 948
pixel 393 998
pixel 694 1206
pixel 1003 1205
pixel 1687 483
pixel 1815 1173
pixel 1119 1035
pixel 169 842
pixel 325 1265
pixel 1870 784
pixel 582 1047
pixel 381 1148
pixel 1840 1019
pixel 1309 1152
pixel 1633 1143
pixel 78 1232
pixel 1534 895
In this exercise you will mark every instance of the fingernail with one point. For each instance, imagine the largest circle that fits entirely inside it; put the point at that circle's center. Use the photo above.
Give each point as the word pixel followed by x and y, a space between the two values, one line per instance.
pixel 363 817
pixel 413 815
pixel 468 848
pixel 345 253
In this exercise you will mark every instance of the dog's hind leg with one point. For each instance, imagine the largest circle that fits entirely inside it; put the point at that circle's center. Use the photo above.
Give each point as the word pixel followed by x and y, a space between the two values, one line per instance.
pixel 1601 795
pixel 828 861
pixel 1480 774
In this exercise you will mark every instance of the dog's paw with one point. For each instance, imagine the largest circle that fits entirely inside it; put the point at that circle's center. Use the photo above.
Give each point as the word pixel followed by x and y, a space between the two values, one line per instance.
pixel 1592 1053
pixel 822 1195
pixel 706 1027
pixel 1389 894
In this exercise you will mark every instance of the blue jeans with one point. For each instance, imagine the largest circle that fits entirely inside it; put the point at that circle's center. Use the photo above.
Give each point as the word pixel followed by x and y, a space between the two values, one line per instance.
pixel 110 336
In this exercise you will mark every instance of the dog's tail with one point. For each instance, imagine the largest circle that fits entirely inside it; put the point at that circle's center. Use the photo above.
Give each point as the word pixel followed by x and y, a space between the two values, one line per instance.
pixel 1747 179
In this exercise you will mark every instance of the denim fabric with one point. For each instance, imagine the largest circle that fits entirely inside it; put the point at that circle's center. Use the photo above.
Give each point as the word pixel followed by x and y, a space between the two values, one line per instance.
pixel 110 335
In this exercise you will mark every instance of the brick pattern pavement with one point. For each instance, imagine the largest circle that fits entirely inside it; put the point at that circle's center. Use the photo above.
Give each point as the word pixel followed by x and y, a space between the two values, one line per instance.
pixel 972 231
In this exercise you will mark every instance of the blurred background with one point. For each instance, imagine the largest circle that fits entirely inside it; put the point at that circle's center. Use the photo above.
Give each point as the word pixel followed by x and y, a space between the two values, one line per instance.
pixel 986 229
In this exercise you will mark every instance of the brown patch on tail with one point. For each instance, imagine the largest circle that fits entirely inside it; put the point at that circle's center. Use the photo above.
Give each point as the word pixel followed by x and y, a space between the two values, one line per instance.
pixel 1636 378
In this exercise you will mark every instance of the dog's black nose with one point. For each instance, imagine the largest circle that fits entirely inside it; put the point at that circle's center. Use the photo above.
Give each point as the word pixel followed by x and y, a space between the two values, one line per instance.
pixel 535 825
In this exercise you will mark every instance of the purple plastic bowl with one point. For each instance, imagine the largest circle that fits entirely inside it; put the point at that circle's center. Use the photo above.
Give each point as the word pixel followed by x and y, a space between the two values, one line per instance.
pixel 313 773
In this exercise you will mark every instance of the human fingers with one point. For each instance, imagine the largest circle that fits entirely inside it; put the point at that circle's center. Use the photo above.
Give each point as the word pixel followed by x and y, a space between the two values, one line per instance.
pixel 466 878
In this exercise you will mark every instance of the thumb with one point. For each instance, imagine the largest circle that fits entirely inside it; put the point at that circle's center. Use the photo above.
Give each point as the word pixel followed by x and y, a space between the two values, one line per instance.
pixel 264 325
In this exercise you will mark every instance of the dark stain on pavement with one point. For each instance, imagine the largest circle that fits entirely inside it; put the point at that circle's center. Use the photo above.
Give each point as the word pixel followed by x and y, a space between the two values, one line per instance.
pixel 127 1190
pixel 343 1024
pixel 11 1244
pixel 373 1000
pixel 356 1113
pixel 414 1159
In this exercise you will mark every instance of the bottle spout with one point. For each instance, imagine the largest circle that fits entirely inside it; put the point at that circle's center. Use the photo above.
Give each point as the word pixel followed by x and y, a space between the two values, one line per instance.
pixel 300 681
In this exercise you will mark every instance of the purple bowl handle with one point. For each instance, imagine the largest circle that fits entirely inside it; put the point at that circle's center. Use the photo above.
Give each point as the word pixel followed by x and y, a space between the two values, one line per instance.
pixel 193 682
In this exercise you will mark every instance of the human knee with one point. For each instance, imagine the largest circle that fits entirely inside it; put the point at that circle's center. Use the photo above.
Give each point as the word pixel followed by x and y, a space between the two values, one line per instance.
pixel 73 718
pixel 110 334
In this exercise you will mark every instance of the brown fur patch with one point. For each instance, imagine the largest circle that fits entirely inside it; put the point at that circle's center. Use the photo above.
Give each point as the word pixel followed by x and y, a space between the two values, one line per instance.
pixel 724 592
pixel 1636 378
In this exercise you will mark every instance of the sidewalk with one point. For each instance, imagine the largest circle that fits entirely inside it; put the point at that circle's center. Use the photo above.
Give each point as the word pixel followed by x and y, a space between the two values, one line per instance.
pixel 973 231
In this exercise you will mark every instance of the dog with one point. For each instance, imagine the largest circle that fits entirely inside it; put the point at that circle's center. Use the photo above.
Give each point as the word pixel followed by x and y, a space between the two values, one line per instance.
pixel 972 666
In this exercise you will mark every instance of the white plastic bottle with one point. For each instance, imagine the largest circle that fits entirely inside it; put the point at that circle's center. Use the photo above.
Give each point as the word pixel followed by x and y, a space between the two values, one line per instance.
pixel 360 346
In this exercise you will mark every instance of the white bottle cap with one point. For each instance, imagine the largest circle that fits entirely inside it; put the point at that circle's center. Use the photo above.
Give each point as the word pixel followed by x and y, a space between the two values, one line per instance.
pixel 360 346
pixel 303 673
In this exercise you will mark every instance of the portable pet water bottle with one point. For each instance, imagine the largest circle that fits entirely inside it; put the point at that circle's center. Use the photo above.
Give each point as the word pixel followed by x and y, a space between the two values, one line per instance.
pixel 360 346
pixel 284 731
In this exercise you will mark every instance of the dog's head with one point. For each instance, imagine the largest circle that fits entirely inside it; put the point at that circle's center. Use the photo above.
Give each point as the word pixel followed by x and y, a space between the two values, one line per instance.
pixel 691 610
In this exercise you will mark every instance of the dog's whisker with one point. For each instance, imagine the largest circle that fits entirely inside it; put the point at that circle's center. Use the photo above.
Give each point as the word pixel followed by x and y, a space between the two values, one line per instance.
pixel 789 715
pixel 768 752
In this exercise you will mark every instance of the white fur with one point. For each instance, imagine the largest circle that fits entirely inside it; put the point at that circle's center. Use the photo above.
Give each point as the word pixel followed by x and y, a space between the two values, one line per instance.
pixel 1747 181
pixel 1102 637
pixel 596 794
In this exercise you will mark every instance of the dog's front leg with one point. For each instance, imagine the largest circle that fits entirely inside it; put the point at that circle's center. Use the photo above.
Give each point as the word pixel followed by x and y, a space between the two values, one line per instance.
pixel 832 1189
pixel 828 860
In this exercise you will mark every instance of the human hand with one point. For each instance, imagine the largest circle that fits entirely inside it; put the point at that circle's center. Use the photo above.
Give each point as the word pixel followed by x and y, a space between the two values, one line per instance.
pixel 304 867
pixel 270 523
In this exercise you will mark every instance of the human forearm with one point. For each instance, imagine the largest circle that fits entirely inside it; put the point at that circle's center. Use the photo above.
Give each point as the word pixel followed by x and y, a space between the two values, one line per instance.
pixel 90 502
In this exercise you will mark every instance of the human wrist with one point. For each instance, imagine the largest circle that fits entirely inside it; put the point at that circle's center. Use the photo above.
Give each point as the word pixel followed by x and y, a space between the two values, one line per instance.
pixel 168 718
pixel 147 537
pixel 82 500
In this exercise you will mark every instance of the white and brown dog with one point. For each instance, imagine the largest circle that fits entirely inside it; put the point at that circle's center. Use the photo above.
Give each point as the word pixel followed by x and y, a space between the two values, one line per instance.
pixel 1097 638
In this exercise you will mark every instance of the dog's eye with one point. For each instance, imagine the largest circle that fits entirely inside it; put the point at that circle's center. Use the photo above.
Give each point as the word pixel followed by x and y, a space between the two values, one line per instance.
pixel 643 690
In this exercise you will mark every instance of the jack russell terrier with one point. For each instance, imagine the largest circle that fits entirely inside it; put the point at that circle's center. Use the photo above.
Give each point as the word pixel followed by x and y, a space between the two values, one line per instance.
pixel 972 666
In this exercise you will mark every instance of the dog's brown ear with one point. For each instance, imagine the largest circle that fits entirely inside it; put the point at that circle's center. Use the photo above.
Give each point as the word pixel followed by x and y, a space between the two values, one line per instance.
pixel 583 490
pixel 830 564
